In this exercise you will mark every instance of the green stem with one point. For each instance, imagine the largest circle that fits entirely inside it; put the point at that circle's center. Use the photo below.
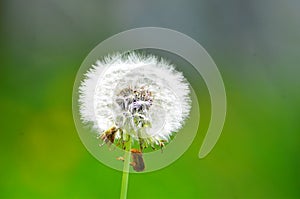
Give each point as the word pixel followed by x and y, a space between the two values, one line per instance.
pixel 125 175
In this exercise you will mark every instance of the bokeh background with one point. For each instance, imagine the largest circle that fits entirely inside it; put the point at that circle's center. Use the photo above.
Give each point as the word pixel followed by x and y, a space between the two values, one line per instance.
pixel 255 45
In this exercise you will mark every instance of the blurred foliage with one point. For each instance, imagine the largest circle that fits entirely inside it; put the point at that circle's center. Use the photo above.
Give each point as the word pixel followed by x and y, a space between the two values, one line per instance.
pixel 255 45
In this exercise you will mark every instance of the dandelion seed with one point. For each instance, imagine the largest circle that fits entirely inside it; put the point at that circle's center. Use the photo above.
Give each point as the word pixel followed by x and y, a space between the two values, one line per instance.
pixel 134 98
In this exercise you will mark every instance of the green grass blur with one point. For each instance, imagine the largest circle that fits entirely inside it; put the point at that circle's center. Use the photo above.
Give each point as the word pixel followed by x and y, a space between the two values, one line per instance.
pixel 42 44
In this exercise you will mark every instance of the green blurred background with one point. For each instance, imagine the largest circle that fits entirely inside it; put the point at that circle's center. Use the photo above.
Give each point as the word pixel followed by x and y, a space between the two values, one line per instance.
pixel 255 45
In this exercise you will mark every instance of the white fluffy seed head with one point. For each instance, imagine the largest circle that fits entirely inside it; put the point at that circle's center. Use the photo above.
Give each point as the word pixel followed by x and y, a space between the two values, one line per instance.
pixel 105 83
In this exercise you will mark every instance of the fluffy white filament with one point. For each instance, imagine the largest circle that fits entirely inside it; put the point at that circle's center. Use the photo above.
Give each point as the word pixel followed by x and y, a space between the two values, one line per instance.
pixel 102 83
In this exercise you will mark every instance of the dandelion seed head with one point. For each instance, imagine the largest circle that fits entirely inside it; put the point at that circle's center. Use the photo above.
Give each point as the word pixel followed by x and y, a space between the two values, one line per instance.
pixel 144 95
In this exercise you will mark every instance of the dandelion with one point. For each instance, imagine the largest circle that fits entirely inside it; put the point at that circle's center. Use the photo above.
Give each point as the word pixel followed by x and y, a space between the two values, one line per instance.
pixel 134 99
